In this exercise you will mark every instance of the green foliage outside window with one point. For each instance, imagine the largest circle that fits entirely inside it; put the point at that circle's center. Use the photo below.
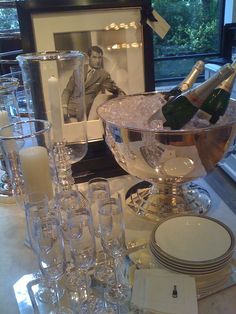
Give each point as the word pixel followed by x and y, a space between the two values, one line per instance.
pixel 8 19
pixel 194 27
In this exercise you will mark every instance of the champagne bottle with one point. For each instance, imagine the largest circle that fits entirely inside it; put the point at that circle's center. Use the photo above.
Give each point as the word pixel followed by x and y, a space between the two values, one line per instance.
pixel 176 113
pixel 187 83
pixel 217 102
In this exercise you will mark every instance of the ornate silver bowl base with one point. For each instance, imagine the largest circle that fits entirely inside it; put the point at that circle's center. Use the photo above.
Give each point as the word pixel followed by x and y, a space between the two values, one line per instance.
pixel 148 202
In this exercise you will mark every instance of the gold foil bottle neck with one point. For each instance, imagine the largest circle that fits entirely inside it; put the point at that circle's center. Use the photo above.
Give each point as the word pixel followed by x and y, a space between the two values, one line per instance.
pixel 192 76
pixel 201 92
pixel 227 84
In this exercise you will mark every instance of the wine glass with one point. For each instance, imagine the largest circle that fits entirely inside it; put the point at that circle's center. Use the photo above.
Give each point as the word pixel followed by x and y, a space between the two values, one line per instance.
pixel 99 189
pixel 113 242
pixel 51 255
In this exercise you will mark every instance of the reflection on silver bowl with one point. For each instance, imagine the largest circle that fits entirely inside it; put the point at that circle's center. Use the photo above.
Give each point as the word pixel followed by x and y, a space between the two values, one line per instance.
pixel 168 159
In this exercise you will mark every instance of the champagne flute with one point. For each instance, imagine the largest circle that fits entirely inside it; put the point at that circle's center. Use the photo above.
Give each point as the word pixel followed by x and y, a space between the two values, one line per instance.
pixel 81 237
pixel 36 207
pixel 99 189
pixel 68 202
pixel 51 255
pixel 113 242
pixel 83 252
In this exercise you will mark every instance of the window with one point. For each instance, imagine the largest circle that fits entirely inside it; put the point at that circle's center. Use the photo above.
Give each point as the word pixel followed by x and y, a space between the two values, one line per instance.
pixel 8 17
pixel 10 42
pixel 195 34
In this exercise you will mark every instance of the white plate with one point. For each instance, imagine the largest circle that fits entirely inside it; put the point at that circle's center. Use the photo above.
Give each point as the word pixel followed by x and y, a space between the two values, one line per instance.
pixel 178 167
pixel 194 265
pixel 187 270
pixel 194 238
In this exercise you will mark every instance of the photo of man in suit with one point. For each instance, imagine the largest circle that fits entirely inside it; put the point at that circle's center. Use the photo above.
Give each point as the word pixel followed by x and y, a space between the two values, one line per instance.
pixel 97 80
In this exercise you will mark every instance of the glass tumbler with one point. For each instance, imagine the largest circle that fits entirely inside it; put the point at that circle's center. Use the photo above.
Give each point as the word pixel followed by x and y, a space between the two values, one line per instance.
pixel 54 91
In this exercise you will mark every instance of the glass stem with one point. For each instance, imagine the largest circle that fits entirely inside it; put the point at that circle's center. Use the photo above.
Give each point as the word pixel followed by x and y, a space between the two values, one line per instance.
pixel 85 290
pixel 116 270
pixel 86 284
pixel 106 260
pixel 57 303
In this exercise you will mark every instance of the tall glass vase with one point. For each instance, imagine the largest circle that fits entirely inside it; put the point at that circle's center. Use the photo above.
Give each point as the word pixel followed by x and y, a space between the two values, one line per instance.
pixel 9 113
pixel 28 154
pixel 54 88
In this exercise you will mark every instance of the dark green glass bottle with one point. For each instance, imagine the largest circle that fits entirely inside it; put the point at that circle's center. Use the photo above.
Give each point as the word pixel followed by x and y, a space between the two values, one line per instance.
pixel 217 102
pixel 188 82
pixel 179 111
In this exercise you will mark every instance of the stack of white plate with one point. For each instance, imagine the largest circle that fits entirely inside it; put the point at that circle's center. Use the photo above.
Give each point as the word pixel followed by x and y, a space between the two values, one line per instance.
pixel 192 244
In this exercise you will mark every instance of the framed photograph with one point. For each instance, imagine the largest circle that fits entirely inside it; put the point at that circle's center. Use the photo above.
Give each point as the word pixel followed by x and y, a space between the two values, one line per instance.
pixel 118 49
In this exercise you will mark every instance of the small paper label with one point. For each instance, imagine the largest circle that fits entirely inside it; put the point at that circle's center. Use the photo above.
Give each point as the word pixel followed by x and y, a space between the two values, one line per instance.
pixel 161 27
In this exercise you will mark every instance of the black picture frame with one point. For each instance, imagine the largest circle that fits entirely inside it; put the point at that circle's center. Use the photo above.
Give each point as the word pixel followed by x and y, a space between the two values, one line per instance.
pixel 99 159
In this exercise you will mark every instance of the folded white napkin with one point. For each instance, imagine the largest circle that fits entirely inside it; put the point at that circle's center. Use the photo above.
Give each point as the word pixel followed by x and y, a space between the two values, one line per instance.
pixel 153 290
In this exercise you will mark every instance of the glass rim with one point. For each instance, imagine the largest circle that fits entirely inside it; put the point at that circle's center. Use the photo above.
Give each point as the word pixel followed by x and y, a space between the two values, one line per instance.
pixel 20 137
pixel 60 55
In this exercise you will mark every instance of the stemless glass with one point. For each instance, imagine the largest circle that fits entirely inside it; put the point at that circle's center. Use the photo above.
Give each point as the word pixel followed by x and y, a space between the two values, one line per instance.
pixel 113 242
pixel 51 255
pixel 99 189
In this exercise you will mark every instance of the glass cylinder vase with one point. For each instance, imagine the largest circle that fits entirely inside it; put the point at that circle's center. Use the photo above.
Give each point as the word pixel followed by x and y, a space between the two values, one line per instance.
pixel 28 154
pixel 54 88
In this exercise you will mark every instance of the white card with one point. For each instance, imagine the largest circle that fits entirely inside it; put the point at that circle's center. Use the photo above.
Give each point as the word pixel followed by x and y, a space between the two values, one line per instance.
pixel 153 290
pixel 161 27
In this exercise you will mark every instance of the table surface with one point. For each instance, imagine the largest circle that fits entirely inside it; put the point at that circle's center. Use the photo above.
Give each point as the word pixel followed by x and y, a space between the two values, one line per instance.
pixel 17 260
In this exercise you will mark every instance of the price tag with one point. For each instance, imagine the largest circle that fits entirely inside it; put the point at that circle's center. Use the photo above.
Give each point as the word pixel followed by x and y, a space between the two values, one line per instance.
pixel 161 27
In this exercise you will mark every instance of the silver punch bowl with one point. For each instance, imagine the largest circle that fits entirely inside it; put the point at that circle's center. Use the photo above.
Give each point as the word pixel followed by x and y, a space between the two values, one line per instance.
pixel 168 161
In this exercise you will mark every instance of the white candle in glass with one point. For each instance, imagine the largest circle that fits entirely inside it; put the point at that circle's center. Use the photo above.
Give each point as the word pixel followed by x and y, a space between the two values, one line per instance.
pixel 36 171
pixel 4 120
pixel 55 106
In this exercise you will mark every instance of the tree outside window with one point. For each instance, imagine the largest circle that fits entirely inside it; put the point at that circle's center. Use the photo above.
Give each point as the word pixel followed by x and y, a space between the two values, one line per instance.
pixel 195 29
